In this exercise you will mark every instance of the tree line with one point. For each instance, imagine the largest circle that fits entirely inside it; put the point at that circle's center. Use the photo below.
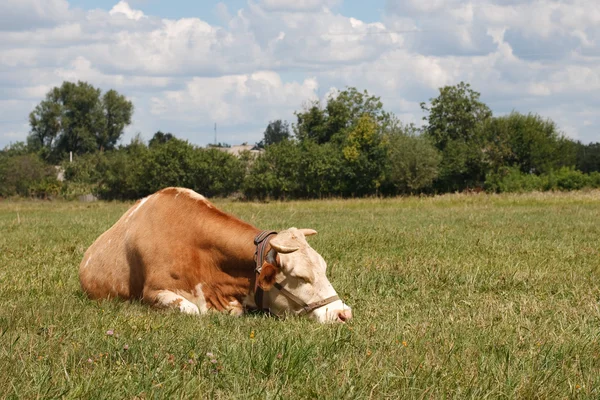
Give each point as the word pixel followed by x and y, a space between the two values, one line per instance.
pixel 347 146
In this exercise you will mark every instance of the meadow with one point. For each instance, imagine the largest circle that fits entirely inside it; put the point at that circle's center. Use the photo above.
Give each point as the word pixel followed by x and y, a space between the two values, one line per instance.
pixel 456 296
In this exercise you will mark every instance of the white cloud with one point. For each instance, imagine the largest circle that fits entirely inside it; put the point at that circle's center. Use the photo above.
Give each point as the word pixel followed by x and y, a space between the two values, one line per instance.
pixel 298 5
pixel 81 69
pixel 270 57
pixel 235 99
pixel 28 14
pixel 123 8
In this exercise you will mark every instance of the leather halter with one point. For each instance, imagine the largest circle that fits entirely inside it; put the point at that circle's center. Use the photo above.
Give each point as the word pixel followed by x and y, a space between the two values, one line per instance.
pixel 261 241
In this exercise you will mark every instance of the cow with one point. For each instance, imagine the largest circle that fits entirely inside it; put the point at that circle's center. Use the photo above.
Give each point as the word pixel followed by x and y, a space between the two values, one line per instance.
pixel 175 249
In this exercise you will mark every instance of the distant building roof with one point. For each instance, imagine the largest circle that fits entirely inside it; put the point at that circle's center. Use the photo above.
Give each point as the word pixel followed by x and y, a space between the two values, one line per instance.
pixel 237 149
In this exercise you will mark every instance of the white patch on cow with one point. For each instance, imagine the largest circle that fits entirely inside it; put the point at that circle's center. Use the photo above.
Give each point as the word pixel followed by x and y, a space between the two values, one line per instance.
pixel 138 207
pixel 199 299
pixel 87 262
pixel 330 312
pixel 166 298
pixel 195 196
pixel 235 308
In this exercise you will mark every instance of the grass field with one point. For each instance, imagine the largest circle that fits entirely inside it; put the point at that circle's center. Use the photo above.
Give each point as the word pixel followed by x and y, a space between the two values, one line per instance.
pixel 459 296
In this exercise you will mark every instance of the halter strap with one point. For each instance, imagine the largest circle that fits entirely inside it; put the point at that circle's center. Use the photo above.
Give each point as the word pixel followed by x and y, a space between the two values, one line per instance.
pixel 260 241
pixel 306 308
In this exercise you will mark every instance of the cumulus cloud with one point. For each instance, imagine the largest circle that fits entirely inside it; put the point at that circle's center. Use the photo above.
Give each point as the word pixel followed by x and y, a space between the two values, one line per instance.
pixel 235 99
pixel 297 5
pixel 123 8
pixel 267 59
pixel 18 15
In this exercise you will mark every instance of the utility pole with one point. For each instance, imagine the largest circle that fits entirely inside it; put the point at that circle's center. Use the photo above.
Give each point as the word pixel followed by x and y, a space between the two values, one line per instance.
pixel 215 133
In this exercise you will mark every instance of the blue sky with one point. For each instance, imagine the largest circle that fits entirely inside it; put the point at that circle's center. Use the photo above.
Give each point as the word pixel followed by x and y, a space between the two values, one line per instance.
pixel 188 64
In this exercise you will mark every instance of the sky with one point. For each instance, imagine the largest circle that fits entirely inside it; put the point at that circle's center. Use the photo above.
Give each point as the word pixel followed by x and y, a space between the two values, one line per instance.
pixel 188 64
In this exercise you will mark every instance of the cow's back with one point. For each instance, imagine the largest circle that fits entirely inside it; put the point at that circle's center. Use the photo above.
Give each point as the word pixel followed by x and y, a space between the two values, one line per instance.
pixel 106 270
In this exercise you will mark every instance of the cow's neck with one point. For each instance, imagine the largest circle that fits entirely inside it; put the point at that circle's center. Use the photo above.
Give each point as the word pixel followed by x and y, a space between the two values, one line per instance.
pixel 235 241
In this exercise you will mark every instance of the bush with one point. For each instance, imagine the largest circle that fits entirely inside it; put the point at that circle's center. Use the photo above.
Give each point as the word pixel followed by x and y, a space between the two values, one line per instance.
pixel 595 179
pixel 275 173
pixel 568 179
pixel 137 171
pixel 513 180
pixel 84 174
pixel 123 178
pixel 413 162
pixel 27 175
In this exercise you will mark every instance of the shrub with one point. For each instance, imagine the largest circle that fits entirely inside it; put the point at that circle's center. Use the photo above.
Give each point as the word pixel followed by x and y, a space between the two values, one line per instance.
pixel 413 162
pixel 513 180
pixel 568 178
pixel 27 175
pixel 275 173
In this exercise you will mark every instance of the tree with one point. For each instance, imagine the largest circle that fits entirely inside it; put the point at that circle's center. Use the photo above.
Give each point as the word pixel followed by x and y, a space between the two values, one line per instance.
pixel 276 172
pixel 341 113
pixel 413 160
pixel 454 115
pixel 529 142
pixel 454 123
pixel 117 114
pixel 76 117
pixel 276 132
pixel 588 157
pixel 365 153
pixel 160 138
pixel 45 122
pixel 26 175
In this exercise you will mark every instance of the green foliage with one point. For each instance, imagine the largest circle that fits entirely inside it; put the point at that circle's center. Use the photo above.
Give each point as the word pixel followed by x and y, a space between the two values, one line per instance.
pixel 512 180
pixel 365 155
pixel 568 178
pixel 137 171
pixel 348 147
pixel 323 170
pixel 275 174
pixel 160 138
pixel 85 174
pixel 454 125
pixel 276 132
pixel 117 115
pixel 15 149
pixel 456 114
pixel 78 118
pixel 413 160
pixel 341 113
pixel 123 178
pixel 532 143
pixel 27 175
pixel 217 173
pixel 588 157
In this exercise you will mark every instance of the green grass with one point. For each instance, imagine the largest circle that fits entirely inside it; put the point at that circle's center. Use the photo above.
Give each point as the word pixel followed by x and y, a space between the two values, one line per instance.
pixel 458 296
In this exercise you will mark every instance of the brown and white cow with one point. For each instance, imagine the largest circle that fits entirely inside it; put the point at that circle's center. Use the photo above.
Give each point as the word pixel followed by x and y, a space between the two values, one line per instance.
pixel 176 249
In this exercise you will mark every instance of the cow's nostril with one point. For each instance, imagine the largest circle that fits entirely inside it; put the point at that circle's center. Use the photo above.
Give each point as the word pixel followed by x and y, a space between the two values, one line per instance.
pixel 344 315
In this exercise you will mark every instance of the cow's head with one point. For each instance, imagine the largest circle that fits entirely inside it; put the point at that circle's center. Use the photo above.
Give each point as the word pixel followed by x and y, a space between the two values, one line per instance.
pixel 301 271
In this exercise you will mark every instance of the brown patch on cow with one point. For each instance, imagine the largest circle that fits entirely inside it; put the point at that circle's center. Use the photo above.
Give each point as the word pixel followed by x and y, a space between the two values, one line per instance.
pixel 267 276
pixel 173 243
pixel 175 303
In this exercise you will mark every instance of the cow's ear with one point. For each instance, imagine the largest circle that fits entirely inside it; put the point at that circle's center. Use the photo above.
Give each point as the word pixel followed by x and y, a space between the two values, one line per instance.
pixel 267 276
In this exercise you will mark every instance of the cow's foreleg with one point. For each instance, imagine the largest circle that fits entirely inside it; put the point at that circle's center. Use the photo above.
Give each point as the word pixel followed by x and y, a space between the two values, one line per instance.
pixel 167 298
